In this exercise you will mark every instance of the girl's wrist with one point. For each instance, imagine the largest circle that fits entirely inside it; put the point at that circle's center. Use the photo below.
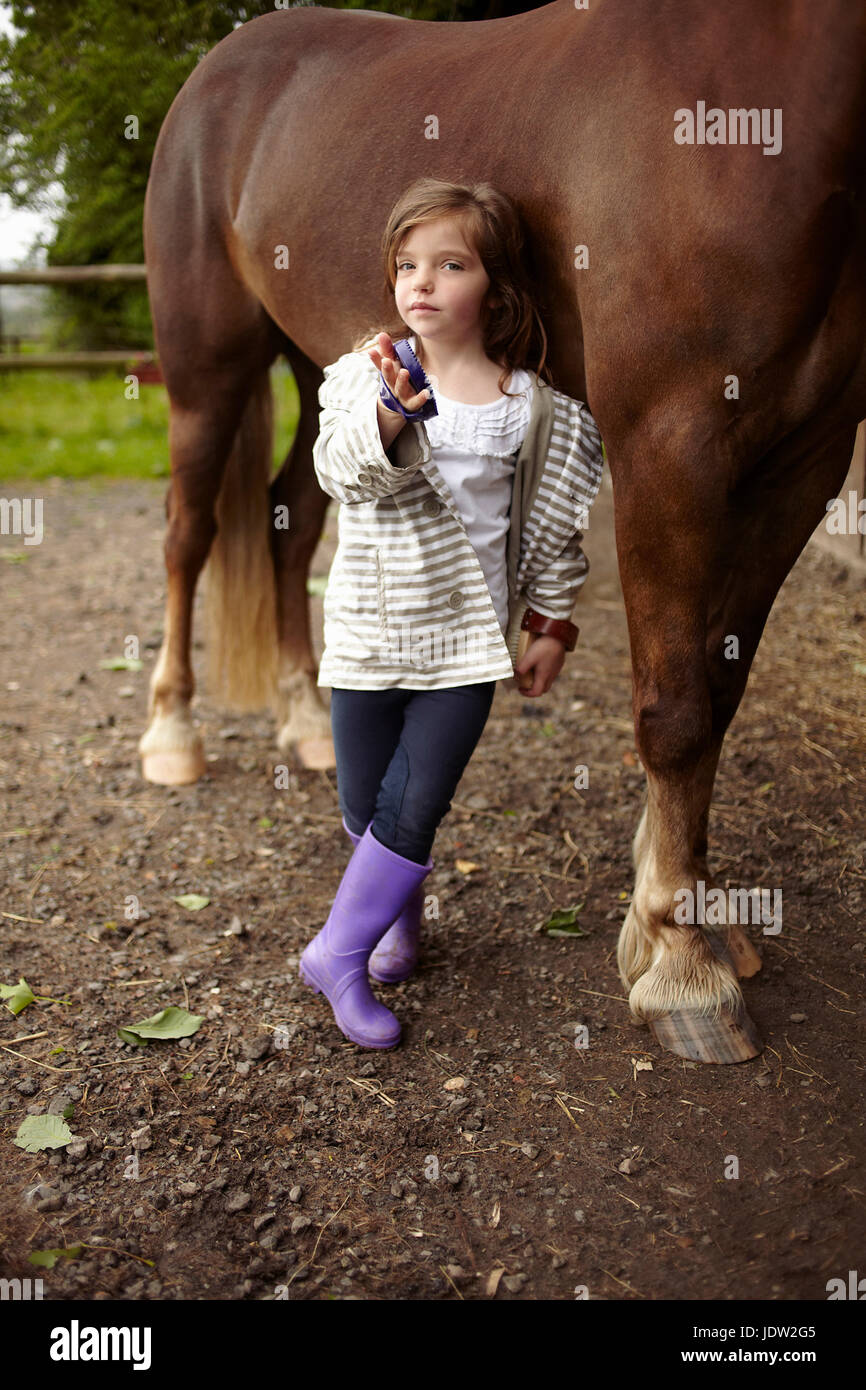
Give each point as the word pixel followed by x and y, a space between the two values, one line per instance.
pixel 390 423
pixel 541 625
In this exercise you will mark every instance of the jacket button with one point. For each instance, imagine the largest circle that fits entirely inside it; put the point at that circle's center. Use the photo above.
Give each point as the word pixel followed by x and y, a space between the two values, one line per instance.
pixel 455 600
pixel 364 477
pixel 432 507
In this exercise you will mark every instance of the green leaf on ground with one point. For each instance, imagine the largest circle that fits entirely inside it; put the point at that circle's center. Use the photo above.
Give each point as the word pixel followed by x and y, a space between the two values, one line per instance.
pixel 42 1132
pixel 168 1023
pixel 17 996
pixel 122 663
pixel 563 922
pixel 193 901
pixel 47 1259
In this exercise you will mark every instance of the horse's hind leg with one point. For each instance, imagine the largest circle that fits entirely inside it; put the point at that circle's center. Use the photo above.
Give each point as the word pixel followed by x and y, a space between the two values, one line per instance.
pixel 201 434
pixel 304 719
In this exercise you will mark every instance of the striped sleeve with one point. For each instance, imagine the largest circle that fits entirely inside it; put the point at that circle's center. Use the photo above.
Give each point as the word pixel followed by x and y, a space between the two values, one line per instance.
pixel 350 461
pixel 554 591
pixel 564 499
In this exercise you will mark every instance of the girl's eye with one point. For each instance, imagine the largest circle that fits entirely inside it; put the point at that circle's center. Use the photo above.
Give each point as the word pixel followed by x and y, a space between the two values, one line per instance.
pixel 401 265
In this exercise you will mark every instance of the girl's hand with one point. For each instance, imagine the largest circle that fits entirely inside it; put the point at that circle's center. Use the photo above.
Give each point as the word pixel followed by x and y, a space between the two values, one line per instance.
pixel 397 379
pixel 544 657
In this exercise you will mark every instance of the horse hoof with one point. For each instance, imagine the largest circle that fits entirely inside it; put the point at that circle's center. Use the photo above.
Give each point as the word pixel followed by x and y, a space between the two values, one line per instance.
pixel 175 768
pixel 726 1039
pixel 736 950
pixel 316 753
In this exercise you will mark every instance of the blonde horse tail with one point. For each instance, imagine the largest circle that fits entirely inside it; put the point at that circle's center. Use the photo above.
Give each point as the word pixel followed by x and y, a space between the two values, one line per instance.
pixel 240 588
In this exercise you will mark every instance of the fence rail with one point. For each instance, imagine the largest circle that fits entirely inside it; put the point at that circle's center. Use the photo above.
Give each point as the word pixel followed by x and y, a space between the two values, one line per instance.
pixel 70 361
pixel 72 274
pixel 58 361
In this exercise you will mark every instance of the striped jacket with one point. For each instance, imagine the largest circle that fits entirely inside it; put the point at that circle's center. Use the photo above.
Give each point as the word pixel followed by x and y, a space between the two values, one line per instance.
pixel 407 603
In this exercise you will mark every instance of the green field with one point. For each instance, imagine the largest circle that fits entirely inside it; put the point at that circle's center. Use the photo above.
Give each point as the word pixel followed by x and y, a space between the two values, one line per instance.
pixel 76 425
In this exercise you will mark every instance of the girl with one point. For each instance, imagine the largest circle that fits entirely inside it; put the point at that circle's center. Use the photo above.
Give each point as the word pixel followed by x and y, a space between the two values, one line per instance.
pixel 461 526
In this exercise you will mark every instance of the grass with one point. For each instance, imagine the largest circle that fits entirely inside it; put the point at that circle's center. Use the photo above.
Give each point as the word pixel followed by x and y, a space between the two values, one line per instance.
pixel 77 425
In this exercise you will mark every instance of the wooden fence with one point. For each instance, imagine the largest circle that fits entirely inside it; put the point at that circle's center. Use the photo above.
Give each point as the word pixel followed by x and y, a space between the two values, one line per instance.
pixel 143 363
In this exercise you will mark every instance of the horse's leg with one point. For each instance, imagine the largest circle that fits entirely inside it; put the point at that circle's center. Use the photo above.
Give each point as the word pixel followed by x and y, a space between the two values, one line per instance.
pixel 730 944
pixel 666 522
pixel 201 435
pixel 685 693
pixel 305 723
pixel 773 521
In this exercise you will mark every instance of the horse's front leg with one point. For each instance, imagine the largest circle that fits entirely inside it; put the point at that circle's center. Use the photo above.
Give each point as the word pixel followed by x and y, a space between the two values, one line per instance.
pixel 727 940
pixel 677 982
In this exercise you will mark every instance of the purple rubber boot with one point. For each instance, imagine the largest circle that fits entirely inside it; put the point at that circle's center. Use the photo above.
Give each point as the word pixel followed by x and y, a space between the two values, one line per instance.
pixel 373 891
pixel 396 955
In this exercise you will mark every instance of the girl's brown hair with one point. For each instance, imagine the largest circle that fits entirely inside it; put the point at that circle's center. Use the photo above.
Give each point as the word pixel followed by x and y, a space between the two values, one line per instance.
pixel 513 333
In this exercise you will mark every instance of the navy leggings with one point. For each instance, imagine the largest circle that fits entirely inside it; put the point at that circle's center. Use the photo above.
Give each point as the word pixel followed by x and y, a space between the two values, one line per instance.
pixel 400 756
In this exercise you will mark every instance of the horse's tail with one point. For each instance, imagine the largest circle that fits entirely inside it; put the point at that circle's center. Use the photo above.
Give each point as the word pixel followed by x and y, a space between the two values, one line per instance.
pixel 240 598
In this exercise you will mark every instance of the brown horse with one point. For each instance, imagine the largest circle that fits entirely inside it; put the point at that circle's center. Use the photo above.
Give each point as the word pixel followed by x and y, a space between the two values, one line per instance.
pixel 701 270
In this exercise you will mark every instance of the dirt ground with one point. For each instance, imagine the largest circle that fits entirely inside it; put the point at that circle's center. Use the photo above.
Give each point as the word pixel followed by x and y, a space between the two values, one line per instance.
pixel 487 1156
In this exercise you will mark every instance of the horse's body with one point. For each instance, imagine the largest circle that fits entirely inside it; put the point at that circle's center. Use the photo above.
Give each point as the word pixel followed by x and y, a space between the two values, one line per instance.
pixel 706 262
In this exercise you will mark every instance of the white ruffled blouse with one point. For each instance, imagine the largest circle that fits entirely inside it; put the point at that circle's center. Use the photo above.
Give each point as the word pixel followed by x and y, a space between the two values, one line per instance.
pixel 474 448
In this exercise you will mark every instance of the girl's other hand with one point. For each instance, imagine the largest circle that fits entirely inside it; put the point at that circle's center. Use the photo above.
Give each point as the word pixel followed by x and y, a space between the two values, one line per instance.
pixel 397 379
pixel 545 658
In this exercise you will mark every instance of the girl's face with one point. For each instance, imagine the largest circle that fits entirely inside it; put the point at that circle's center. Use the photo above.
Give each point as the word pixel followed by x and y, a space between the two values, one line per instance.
pixel 436 266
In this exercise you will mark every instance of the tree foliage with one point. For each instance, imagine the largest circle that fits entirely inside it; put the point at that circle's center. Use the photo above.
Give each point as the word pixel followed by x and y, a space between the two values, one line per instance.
pixel 72 76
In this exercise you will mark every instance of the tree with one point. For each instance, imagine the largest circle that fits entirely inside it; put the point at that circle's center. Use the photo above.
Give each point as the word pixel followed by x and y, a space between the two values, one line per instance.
pixel 75 74
pixel 86 85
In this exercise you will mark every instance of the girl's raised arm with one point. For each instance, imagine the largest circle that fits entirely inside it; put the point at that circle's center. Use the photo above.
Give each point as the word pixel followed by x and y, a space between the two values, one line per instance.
pixel 349 454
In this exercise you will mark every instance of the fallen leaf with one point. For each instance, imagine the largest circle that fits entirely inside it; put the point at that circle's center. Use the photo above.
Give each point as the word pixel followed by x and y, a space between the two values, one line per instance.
pixel 168 1023
pixel 493 1279
pixel 18 996
pixel 47 1259
pixel 563 922
pixel 466 866
pixel 122 663
pixel 42 1132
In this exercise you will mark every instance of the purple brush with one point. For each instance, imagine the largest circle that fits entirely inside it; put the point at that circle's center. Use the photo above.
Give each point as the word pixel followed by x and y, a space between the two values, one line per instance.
pixel 419 380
